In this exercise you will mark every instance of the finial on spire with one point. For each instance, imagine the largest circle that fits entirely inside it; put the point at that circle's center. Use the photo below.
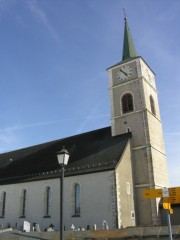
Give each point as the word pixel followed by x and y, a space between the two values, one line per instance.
pixel 125 16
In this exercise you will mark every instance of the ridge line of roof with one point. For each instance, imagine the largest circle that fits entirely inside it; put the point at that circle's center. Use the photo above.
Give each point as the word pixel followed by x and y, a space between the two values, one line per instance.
pixel 53 141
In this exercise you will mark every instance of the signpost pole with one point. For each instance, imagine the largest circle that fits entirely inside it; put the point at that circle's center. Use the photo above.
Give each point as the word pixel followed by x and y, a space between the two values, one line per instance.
pixel 165 193
pixel 169 224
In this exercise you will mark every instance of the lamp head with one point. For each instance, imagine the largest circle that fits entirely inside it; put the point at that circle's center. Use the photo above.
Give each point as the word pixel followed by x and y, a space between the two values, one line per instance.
pixel 63 156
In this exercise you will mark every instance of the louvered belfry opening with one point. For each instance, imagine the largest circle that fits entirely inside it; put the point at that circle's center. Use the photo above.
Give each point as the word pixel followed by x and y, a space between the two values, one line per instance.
pixel 127 103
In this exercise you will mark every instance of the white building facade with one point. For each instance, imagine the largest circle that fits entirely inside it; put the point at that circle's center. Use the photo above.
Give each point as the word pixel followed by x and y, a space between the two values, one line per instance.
pixel 89 199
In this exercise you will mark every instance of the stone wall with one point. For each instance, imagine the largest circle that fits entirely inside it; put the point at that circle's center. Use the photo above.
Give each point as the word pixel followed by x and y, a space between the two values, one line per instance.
pixel 148 233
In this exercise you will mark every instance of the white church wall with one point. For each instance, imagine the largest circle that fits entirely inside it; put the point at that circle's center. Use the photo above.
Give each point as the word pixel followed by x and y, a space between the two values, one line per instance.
pixel 35 201
pixel 96 201
pixel 125 190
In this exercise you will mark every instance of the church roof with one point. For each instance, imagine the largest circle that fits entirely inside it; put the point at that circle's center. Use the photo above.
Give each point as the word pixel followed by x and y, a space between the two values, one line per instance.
pixel 89 152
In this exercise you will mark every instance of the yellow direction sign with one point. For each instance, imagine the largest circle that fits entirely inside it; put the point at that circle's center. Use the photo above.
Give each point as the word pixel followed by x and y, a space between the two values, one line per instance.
pixel 175 191
pixel 166 205
pixel 174 194
pixel 152 193
pixel 172 199
pixel 171 211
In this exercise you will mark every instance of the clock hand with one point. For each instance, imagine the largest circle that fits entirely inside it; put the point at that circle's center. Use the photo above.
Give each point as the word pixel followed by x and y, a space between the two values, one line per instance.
pixel 123 72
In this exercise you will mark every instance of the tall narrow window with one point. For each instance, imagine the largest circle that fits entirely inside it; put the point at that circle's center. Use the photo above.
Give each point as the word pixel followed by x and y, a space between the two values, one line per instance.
pixel 77 199
pixel 152 105
pixel 127 103
pixel 48 202
pixel 23 203
pixel 3 204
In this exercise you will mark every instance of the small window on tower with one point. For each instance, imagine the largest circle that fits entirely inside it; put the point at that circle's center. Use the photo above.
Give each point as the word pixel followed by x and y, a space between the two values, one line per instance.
pixel 127 103
pixel 132 215
pixel 152 105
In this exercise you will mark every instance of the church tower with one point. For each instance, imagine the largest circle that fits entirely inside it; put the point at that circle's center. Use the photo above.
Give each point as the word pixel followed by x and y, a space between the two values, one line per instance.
pixel 135 108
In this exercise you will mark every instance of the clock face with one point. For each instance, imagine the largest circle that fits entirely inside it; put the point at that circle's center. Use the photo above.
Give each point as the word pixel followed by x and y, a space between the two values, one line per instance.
pixel 124 72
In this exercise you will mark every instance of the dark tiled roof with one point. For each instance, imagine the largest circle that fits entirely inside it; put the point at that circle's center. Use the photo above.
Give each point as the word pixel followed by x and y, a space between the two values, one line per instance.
pixel 89 152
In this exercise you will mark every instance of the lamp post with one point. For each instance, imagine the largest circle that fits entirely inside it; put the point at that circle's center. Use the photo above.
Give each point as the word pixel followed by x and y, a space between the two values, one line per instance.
pixel 63 157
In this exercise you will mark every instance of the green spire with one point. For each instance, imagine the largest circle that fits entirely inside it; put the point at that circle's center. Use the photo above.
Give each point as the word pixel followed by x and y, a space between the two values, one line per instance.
pixel 129 50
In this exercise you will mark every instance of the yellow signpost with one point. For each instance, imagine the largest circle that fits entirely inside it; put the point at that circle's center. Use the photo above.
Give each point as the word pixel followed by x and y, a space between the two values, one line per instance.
pixel 170 196
pixel 171 211
pixel 152 193
pixel 166 205
pixel 174 191
pixel 173 198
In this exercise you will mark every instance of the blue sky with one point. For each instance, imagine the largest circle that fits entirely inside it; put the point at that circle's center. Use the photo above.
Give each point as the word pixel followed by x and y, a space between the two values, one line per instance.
pixel 53 60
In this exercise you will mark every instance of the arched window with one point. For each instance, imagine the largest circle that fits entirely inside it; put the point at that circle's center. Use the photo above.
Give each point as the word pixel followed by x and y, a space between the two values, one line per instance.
pixel 48 201
pixel 77 199
pixel 153 110
pixel 3 204
pixel 23 203
pixel 127 103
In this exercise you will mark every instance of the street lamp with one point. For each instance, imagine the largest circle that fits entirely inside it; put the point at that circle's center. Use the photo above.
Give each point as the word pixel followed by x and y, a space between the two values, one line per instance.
pixel 63 157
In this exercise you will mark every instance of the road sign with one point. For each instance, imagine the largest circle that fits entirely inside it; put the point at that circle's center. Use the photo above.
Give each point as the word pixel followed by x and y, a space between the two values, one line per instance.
pixel 172 199
pixel 175 191
pixel 166 205
pixel 165 192
pixel 170 195
pixel 152 193
pixel 171 211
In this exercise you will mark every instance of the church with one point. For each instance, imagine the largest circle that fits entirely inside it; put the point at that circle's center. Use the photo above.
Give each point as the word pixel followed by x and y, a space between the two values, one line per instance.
pixel 108 168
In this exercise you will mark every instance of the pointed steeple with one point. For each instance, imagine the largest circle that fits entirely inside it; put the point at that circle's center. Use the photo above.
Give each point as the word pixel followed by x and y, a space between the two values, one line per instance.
pixel 129 50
